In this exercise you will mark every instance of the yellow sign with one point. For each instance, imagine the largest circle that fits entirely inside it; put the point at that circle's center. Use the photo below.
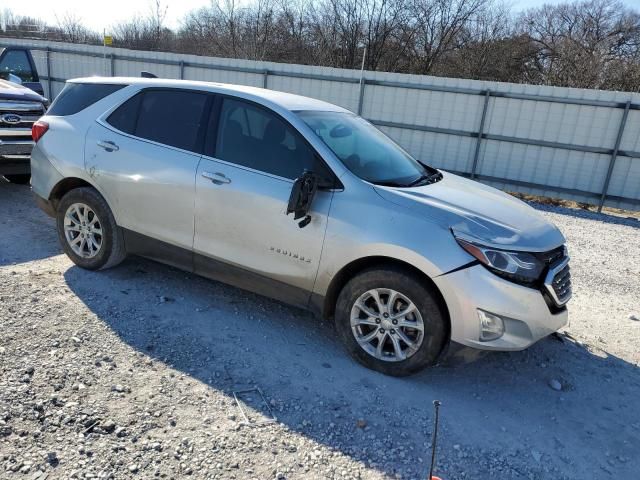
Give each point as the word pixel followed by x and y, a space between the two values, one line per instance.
pixel 108 39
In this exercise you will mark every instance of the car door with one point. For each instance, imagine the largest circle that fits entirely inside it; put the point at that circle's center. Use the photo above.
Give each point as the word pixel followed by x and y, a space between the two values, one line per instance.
pixel 19 62
pixel 143 158
pixel 243 235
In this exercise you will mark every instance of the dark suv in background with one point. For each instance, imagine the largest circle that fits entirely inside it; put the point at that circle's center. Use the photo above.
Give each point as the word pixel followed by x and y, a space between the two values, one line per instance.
pixel 21 104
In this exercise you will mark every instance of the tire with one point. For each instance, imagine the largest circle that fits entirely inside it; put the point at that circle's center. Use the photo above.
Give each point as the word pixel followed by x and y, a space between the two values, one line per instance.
pixel 405 289
pixel 21 179
pixel 111 250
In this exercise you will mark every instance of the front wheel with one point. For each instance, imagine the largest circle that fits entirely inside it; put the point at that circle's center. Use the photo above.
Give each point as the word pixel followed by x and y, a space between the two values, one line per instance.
pixel 390 321
pixel 87 230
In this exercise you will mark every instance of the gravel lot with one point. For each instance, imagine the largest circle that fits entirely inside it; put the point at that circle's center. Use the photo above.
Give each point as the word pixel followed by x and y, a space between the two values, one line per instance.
pixel 131 372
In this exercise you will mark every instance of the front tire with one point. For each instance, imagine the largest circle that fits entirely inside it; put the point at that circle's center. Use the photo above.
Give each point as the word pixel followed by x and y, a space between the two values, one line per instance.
pixel 391 321
pixel 87 230
pixel 20 179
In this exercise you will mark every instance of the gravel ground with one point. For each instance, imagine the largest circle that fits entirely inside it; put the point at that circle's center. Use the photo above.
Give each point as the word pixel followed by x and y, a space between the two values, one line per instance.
pixel 130 373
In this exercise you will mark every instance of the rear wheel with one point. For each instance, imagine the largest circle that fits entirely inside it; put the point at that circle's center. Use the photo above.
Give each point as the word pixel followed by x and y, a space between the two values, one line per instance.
pixel 21 179
pixel 390 321
pixel 87 230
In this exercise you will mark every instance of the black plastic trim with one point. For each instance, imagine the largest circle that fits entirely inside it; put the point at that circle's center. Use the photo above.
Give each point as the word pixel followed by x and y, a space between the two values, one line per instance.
pixel 45 205
pixel 163 252
pixel 214 269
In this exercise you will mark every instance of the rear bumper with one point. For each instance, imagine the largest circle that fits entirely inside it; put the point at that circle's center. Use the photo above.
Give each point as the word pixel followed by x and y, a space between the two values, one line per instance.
pixel 45 205
pixel 525 314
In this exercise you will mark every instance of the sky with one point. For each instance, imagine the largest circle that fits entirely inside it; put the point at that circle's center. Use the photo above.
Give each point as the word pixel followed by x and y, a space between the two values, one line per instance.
pixel 100 14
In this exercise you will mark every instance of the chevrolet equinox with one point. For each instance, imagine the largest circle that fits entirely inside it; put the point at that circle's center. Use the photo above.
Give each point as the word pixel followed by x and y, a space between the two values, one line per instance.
pixel 304 202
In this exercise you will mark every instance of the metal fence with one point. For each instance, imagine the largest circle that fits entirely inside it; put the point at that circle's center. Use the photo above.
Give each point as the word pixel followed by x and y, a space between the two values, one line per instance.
pixel 581 145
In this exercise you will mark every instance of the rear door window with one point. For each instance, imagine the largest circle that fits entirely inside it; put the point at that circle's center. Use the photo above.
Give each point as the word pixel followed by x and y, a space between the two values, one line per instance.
pixel 170 117
pixel 17 62
pixel 75 97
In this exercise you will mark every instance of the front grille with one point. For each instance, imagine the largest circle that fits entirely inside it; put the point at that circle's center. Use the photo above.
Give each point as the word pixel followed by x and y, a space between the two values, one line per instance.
pixel 562 283
pixel 558 282
pixel 27 121
pixel 28 112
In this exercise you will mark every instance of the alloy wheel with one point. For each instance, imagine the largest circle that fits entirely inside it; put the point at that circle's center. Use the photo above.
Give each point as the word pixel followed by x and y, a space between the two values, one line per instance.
pixel 83 230
pixel 387 324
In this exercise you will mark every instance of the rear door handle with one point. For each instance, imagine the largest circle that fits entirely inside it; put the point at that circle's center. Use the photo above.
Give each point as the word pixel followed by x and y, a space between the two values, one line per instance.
pixel 108 145
pixel 217 177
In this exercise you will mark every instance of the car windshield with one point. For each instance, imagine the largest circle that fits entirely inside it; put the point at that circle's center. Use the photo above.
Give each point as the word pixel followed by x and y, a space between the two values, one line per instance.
pixel 365 150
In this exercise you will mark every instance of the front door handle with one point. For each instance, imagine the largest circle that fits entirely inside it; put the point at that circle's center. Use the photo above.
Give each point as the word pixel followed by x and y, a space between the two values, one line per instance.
pixel 108 145
pixel 217 177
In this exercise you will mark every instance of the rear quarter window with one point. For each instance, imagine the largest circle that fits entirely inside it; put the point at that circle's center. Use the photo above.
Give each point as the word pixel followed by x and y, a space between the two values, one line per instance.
pixel 75 97
pixel 125 117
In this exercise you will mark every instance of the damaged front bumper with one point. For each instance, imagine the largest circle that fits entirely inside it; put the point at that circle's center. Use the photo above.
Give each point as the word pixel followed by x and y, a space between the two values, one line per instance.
pixel 524 313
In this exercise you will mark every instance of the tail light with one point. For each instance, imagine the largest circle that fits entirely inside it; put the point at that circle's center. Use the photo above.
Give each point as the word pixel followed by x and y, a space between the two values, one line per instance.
pixel 38 130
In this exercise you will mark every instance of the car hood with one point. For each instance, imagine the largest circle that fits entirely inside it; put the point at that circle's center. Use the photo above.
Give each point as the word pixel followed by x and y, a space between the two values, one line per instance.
pixel 14 91
pixel 480 212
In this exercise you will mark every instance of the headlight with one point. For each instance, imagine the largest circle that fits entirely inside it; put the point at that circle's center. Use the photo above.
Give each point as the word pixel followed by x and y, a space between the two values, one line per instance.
pixel 520 267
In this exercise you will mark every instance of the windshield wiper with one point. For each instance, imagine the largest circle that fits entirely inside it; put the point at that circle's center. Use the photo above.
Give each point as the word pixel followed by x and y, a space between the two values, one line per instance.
pixel 421 180
pixel 426 179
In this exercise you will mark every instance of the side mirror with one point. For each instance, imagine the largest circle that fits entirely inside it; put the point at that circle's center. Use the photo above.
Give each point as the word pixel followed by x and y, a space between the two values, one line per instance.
pixel 302 193
pixel 14 79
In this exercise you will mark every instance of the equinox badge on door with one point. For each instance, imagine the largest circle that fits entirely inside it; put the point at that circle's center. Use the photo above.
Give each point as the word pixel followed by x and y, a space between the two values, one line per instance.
pixel 287 253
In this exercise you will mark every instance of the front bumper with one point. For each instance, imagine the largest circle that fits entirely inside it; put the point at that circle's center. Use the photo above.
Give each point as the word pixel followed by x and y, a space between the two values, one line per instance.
pixel 526 316
pixel 15 155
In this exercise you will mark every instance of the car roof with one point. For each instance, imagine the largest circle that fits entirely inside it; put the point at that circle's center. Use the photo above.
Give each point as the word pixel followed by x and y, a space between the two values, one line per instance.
pixel 288 101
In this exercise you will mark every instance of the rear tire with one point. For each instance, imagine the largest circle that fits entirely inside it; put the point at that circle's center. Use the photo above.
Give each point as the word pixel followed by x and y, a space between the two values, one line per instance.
pixel 20 179
pixel 393 307
pixel 87 230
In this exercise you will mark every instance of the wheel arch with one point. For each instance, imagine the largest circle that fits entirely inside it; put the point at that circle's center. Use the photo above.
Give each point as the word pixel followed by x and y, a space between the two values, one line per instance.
pixel 64 186
pixel 353 268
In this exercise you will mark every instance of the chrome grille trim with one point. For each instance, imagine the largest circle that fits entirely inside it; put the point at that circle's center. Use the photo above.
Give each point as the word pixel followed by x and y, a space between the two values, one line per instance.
pixel 15 106
pixel 558 282
pixel 15 132
pixel 15 138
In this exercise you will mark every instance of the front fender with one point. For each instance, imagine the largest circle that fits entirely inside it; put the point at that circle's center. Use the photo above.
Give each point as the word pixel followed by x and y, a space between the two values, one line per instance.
pixel 366 225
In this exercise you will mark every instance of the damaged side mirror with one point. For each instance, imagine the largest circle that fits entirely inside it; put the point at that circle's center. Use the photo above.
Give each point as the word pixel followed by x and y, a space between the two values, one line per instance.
pixel 302 193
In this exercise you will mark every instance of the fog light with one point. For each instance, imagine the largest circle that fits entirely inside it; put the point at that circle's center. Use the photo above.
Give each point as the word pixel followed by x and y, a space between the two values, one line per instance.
pixel 491 326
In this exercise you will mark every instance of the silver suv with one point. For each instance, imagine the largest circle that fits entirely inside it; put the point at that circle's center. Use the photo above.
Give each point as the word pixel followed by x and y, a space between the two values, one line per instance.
pixel 304 202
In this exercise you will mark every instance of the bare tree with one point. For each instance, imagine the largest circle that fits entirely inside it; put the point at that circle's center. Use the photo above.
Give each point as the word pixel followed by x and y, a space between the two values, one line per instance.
pixel 258 26
pixel 490 48
pixel 580 43
pixel 145 33
pixel 19 26
pixel 156 19
pixel 438 25
pixel 583 44
pixel 72 30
